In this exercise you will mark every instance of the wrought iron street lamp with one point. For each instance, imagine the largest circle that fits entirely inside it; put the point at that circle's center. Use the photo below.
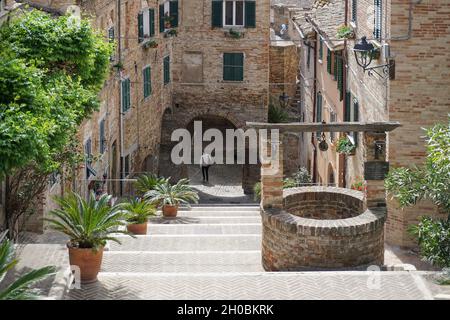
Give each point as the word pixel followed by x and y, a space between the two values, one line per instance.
pixel 364 53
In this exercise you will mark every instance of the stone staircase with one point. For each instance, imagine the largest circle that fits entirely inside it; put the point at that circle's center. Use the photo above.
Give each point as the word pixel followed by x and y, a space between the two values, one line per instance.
pixel 214 252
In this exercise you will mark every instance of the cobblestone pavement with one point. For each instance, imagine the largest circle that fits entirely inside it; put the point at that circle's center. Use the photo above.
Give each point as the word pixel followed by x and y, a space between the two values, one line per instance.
pixel 224 186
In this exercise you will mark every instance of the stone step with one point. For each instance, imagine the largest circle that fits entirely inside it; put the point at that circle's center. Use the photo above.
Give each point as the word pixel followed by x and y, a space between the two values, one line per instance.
pixel 222 208
pixel 186 261
pixel 229 242
pixel 181 229
pixel 207 220
pixel 216 213
pixel 250 286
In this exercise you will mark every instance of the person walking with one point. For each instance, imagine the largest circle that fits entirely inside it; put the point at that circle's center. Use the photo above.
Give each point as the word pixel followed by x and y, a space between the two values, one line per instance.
pixel 205 162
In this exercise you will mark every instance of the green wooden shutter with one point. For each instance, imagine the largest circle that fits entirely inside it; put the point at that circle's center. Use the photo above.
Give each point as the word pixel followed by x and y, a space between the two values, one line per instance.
pixel 161 18
pixel 250 14
pixel 355 119
pixel 320 48
pixel 354 10
pixel 233 66
pixel 340 76
pixel 140 27
pixel 167 70
pixel 335 66
pixel 348 101
pixel 151 17
pixel 329 61
pixel 319 108
pixel 147 82
pixel 126 95
pixel 111 34
pixel 318 112
pixel 217 14
pixel 174 13
pixel 102 136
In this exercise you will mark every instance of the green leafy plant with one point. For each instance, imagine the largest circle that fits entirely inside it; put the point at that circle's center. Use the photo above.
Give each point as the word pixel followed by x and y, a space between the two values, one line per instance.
pixel 50 75
pixel 235 34
pixel 345 146
pixel 88 223
pixel 150 44
pixel 277 114
pixel 257 191
pixel 148 182
pixel 137 211
pixel 171 33
pixel 167 194
pixel 20 289
pixel 430 181
pixel 345 32
pixel 289 183
pixel 302 177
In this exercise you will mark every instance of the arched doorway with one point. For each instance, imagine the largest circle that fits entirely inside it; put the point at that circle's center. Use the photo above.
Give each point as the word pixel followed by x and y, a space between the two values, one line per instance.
pixel 228 182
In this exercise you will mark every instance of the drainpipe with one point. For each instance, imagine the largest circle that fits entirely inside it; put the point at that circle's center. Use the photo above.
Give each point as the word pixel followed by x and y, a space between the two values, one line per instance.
pixel 342 159
pixel 119 34
pixel 314 171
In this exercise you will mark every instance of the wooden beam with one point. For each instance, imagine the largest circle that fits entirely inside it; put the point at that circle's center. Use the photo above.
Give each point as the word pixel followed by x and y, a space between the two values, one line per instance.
pixel 327 127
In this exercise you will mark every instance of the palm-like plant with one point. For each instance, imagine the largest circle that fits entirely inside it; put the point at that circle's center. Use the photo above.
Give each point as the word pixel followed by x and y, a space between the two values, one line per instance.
pixel 173 195
pixel 137 211
pixel 19 289
pixel 88 223
pixel 148 182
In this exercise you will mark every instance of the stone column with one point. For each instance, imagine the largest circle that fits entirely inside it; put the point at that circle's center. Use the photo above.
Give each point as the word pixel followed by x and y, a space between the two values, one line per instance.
pixel 375 168
pixel 272 173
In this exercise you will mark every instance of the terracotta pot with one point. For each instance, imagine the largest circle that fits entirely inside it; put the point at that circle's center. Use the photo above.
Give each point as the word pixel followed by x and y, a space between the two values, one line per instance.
pixel 135 228
pixel 169 211
pixel 88 260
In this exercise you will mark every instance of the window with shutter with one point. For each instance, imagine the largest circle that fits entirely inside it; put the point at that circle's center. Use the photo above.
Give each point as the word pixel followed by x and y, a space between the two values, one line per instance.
pixel 151 21
pixel 355 119
pixel 234 13
pixel 126 95
pixel 348 98
pixel 166 70
pixel 140 27
pixel 173 12
pixel 102 142
pixel 378 12
pixel 308 57
pixel 340 75
pixel 161 18
pixel 217 12
pixel 88 156
pixel 147 82
pixel 318 111
pixel 233 66
pixel 329 61
pixel 250 14
pixel 354 11
pixel 111 34
pixel 320 48
pixel 335 65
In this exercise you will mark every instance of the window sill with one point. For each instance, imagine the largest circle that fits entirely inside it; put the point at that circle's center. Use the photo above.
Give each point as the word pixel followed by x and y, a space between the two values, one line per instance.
pixel 353 25
pixel 232 81
pixel 376 43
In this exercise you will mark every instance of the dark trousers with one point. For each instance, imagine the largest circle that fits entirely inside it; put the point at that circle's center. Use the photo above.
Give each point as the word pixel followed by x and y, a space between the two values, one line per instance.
pixel 205 173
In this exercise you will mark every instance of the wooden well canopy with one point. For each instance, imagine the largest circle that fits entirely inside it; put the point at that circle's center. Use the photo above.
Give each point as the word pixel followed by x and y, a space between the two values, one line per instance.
pixel 386 126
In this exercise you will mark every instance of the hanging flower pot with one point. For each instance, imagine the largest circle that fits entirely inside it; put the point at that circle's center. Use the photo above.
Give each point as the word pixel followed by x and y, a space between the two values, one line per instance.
pixel 345 146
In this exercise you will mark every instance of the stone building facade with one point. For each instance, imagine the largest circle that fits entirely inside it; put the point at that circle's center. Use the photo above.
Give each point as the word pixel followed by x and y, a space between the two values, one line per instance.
pixel 415 35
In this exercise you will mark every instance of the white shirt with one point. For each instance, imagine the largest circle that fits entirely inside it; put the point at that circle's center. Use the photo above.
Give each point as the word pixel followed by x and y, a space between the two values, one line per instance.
pixel 206 160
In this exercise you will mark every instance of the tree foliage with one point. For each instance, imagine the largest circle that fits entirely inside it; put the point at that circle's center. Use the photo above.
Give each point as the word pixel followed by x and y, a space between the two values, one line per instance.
pixel 430 181
pixel 51 71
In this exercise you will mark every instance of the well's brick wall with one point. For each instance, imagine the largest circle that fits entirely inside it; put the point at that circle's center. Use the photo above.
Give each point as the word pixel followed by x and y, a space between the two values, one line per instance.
pixel 296 243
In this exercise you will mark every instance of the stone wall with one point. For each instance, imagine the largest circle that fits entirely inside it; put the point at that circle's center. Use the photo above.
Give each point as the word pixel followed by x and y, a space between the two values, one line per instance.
pixel 283 68
pixel 295 243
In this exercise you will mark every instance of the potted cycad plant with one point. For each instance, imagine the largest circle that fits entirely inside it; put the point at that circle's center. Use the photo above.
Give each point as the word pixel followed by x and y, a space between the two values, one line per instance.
pixel 171 196
pixel 89 224
pixel 147 182
pixel 137 212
